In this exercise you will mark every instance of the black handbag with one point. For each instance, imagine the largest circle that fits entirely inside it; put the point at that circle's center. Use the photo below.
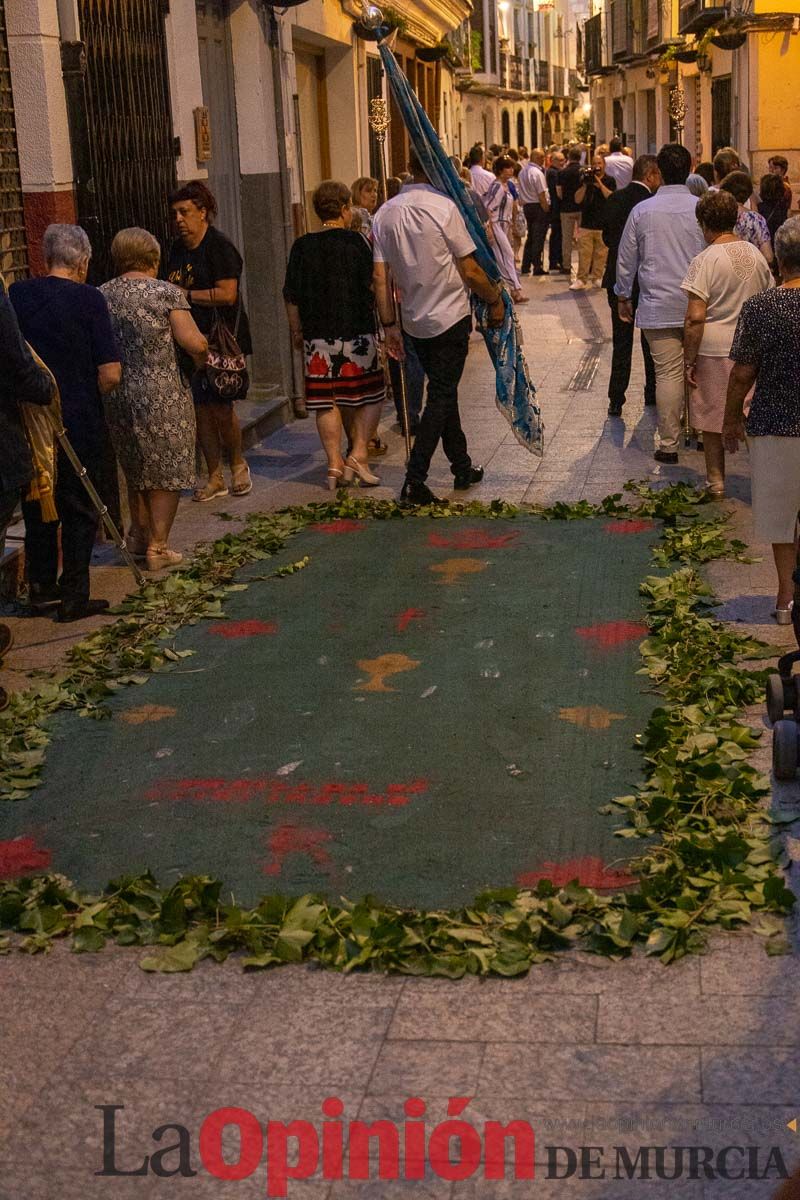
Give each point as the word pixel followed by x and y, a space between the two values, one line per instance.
pixel 226 369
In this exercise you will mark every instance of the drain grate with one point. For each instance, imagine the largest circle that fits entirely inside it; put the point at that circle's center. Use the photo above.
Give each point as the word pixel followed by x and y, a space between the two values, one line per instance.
pixel 584 376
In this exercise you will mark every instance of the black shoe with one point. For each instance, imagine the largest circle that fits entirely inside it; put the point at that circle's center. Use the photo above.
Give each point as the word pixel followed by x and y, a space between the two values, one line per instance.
pixel 650 402
pixel 526 272
pixel 41 596
pixel 465 479
pixel 415 492
pixel 6 641
pixel 615 408
pixel 665 456
pixel 541 272
pixel 79 612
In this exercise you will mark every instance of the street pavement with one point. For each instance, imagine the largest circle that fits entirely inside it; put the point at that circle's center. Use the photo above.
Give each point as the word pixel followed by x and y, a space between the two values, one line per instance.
pixel 592 1053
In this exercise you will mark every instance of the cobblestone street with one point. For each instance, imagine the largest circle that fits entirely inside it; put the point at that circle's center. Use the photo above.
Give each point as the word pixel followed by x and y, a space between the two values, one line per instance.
pixel 591 1052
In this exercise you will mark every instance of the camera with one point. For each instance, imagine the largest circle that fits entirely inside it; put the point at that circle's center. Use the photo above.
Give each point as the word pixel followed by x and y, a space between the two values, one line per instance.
pixel 587 175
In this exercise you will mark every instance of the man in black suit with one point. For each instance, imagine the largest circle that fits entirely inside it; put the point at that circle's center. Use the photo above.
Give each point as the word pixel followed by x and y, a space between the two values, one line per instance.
pixel 618 207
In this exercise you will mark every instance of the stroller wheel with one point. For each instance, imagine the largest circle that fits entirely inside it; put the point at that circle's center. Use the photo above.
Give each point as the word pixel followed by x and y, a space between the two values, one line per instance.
pixel 776 698
pixel 784 750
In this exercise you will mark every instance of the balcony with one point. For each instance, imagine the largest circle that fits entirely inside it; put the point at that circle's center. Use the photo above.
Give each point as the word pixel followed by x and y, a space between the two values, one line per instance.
pixel 695 16
pixel 519 74
pixel 559 77
pixel 593 50
pixel 542 77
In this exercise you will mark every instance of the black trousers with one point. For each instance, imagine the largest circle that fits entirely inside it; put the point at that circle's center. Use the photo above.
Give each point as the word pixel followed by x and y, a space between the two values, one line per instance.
pixel 443 358
pixel 8 502
pixel 622 334
pixel 538 221
pixel 556 241
pixel 78 519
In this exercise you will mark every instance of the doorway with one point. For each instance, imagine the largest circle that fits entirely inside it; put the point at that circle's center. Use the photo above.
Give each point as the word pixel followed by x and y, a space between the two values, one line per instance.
pixel 312 125
pixel 720 113
pixel 216 74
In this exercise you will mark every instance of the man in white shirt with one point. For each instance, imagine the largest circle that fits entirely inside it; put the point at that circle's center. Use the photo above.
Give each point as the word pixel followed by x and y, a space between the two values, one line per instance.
pixel 534 194
pixel 618 165
pixel 420 237
pixel 482 179
pixel 660 239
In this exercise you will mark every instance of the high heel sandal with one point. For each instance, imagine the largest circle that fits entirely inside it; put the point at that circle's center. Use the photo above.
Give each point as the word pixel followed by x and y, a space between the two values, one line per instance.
pixel 335 479
pixel 783 616
pixel 352 468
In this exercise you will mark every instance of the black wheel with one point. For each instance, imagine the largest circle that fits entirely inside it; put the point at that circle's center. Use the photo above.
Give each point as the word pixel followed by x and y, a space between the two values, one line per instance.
pixel 784 750
pixel 776 698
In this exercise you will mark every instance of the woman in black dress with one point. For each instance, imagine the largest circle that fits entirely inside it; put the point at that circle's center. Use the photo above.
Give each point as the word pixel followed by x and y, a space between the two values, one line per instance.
pixel 329 302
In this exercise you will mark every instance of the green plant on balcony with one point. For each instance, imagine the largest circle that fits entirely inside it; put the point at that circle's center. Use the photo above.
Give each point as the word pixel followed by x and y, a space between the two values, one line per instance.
pixel 476 50
pixel 583 129
pixel 395 20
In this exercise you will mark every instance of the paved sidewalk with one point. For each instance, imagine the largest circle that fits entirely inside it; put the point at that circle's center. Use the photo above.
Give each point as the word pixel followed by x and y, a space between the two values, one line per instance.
pixel 591 1053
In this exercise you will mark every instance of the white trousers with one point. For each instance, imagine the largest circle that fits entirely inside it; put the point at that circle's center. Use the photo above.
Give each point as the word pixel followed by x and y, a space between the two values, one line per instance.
pixel 666 346
pixel 504 254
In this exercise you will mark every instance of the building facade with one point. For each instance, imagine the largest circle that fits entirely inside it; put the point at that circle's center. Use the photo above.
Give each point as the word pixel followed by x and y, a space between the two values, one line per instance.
pixel 106 105
pixel 523 89
pixel 709 74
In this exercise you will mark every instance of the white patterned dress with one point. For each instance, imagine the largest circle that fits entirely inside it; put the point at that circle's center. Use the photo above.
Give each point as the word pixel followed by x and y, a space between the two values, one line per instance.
pixel 150 415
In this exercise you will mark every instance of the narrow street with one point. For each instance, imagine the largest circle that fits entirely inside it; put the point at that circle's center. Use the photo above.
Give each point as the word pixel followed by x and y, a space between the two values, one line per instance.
pixel 590 1052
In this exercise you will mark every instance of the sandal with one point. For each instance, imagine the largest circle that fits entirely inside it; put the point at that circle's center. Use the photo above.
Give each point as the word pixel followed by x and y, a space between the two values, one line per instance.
pixel 376 448
pixel 241 482
pixel 783 616
pixel 213 489
pixel 353 468
pixel 159 557
pixel 335 479
pixel 717 490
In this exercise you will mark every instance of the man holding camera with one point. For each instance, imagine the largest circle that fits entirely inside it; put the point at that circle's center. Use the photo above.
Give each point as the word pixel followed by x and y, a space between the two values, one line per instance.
pixel 592 194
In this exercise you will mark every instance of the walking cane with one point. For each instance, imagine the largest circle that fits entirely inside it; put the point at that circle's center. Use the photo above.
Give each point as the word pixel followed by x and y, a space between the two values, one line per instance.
pixel 379 123
pixel 32 415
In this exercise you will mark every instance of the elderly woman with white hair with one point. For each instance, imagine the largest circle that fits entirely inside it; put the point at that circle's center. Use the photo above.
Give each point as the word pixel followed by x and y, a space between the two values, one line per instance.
pixel 765 353
pixel 67 324
pixel 151 415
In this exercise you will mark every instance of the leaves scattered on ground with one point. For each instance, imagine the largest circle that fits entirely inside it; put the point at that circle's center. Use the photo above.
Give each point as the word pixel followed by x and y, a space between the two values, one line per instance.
pixel 710 859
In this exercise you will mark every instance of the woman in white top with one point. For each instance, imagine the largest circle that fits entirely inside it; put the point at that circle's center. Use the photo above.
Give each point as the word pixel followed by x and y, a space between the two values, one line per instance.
pixel 718 282
pixel 500 206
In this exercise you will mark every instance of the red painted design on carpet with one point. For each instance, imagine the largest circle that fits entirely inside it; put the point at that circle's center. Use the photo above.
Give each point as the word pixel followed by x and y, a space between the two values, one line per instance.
pixel 281 791
pixel 244 629
pixel 634 525
pixel 404 619
pixel 589 872
pixel 22 856
pixel 293 839
pixel 612 633
pixel 472 539
pixel 340 525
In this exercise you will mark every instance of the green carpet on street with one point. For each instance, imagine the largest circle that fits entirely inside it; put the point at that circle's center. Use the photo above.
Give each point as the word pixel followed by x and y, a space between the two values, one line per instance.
pixel 428 707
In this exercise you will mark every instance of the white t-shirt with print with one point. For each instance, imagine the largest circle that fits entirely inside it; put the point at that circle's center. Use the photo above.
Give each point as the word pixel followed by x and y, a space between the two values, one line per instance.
pixel 725 275
pixel 420 233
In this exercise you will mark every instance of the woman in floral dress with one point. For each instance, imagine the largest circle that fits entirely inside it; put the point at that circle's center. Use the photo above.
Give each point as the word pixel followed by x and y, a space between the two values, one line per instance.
pixel 151 415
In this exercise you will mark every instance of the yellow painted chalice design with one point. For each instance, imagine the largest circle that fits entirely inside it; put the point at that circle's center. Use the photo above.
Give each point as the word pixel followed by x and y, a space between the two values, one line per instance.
pixel 381 669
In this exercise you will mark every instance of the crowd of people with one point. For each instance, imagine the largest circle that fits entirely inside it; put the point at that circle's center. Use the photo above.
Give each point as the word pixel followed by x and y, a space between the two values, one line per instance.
pixel 152 362
pixel 138 372
pixel 686 252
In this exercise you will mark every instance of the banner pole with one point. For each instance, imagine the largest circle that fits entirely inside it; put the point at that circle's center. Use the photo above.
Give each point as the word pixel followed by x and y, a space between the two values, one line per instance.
pixel 379 123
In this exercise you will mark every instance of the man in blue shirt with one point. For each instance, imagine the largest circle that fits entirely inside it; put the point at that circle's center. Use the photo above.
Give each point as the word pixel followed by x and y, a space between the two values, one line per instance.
pixel 68 325
pixel 660 239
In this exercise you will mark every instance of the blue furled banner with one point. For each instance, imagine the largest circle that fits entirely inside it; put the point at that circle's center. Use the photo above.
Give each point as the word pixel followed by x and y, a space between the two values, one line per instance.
pixel 515 391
